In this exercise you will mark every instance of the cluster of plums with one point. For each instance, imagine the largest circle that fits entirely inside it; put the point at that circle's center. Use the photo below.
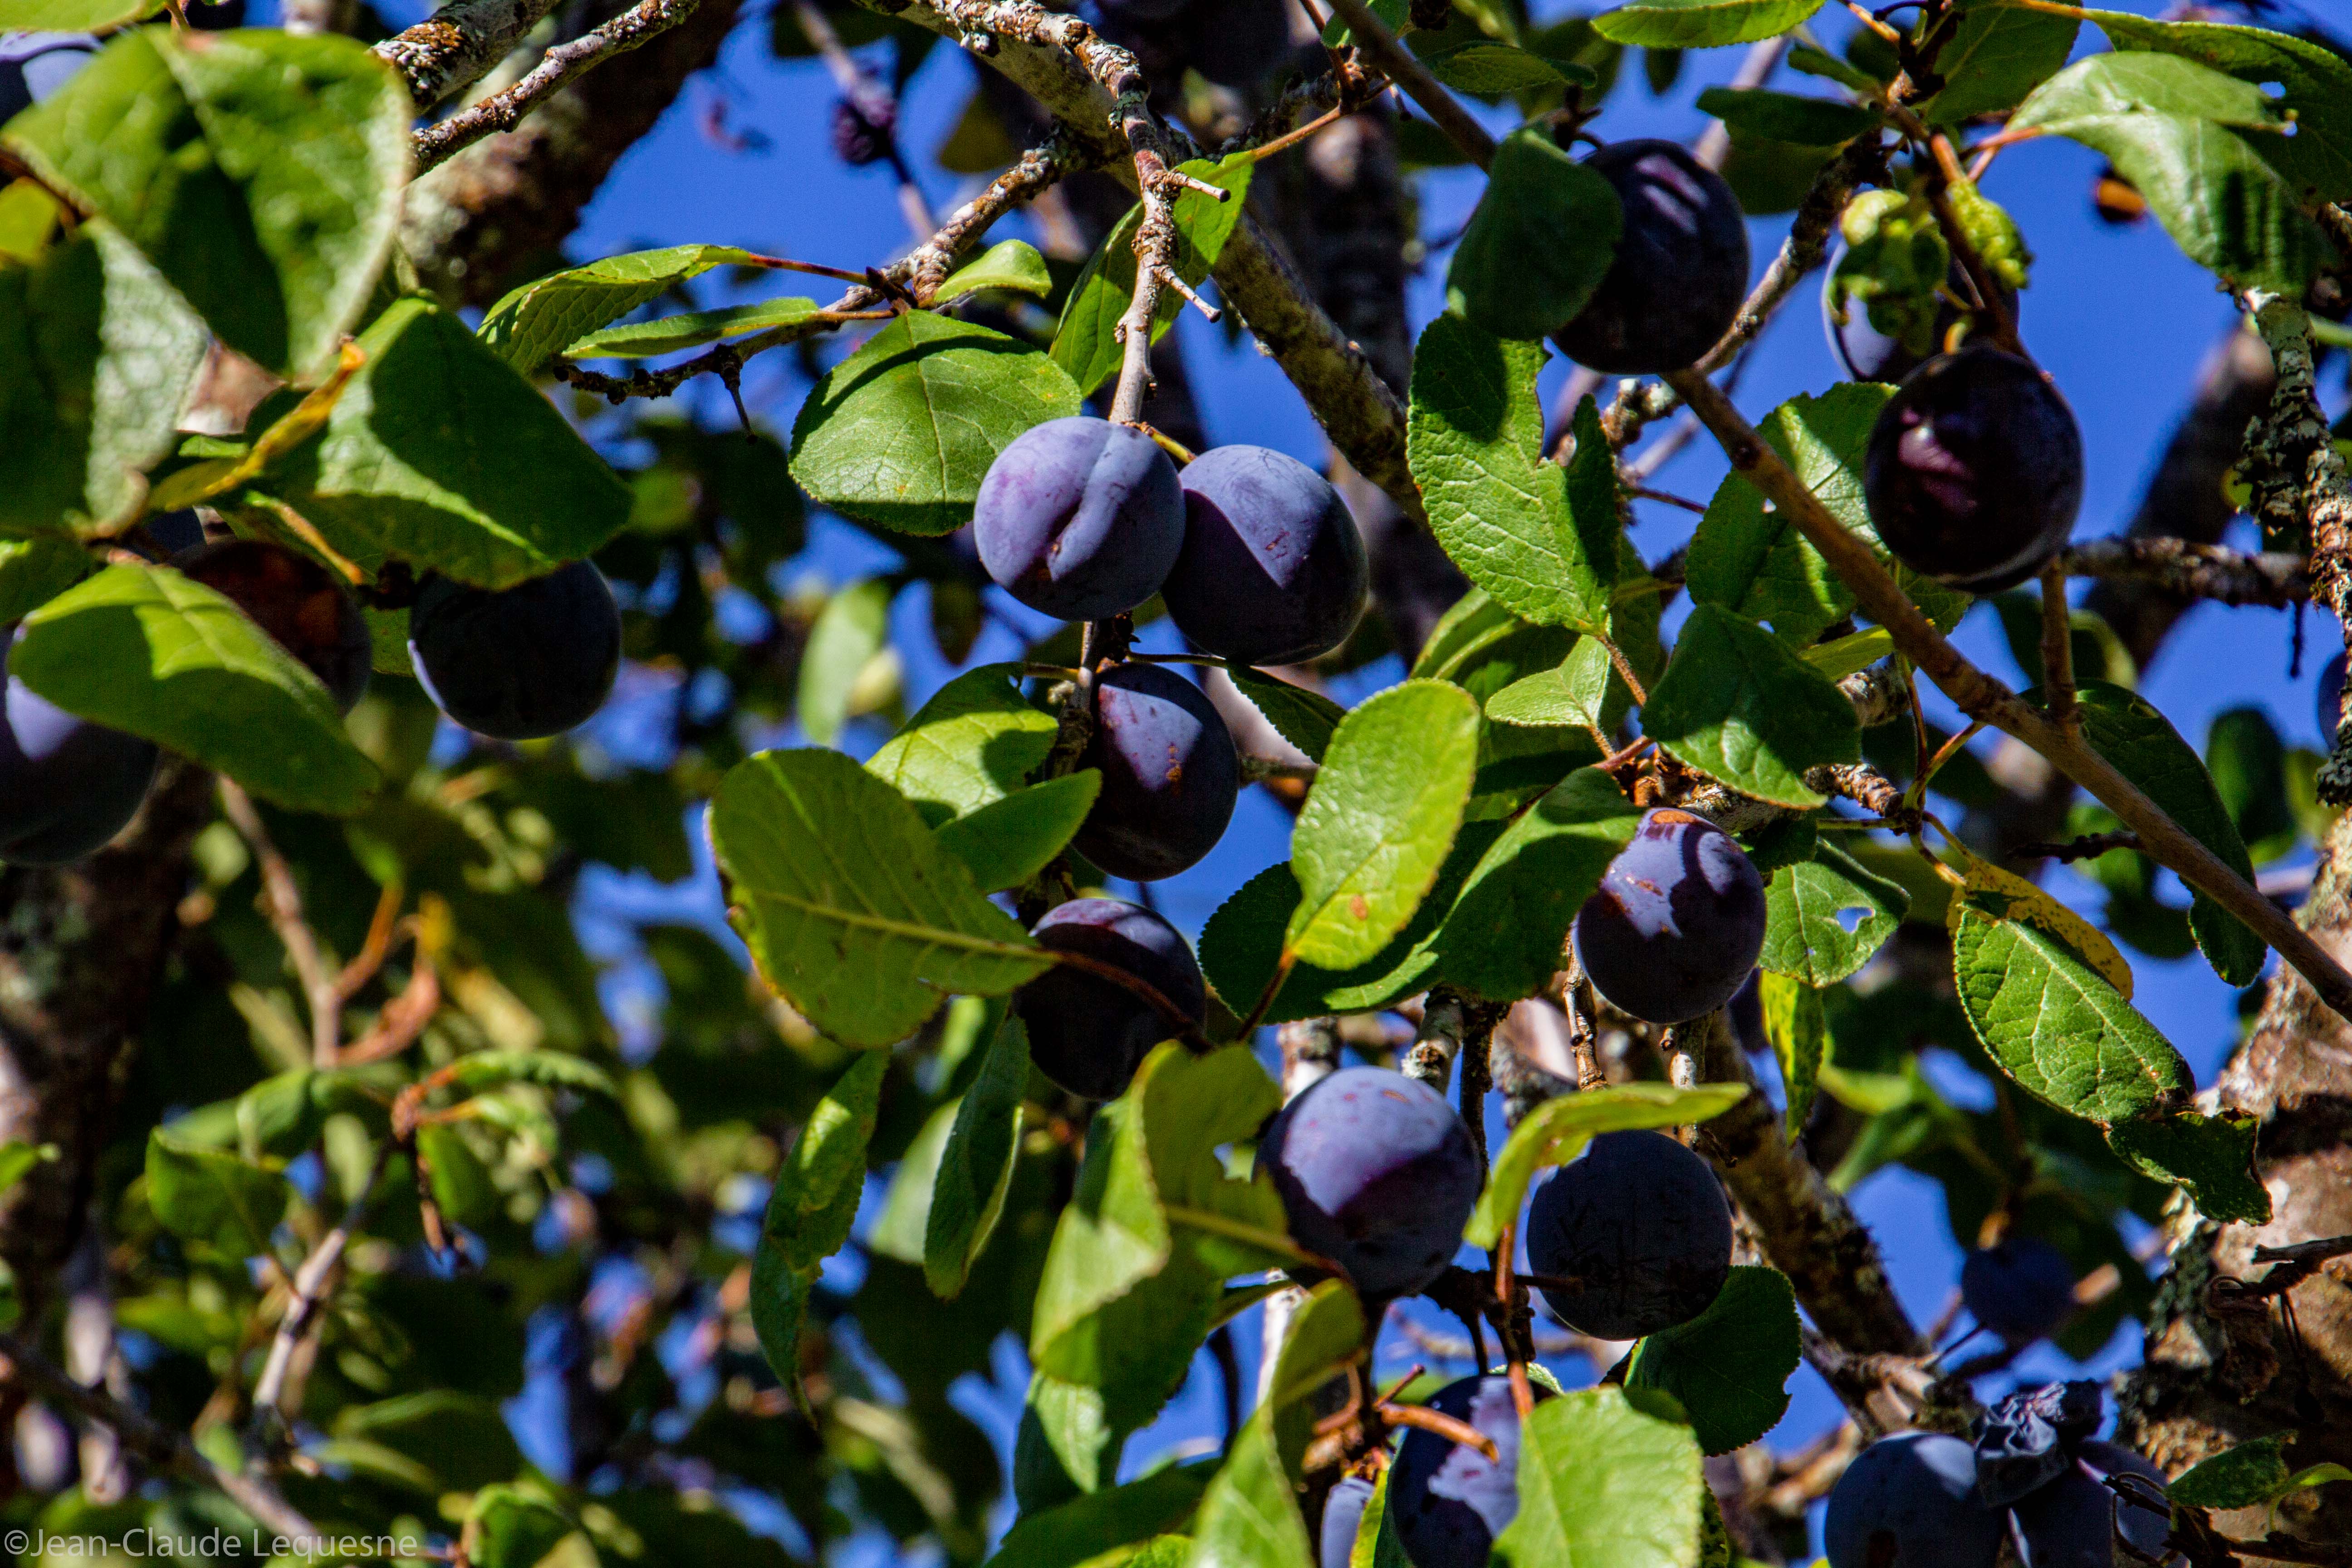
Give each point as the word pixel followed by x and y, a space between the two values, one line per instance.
pixel 1256 557
pixel 2034 1478
pixel 514 664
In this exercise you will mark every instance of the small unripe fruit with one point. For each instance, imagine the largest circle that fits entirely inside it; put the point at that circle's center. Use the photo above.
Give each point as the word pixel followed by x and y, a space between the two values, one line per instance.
pixel 1974 470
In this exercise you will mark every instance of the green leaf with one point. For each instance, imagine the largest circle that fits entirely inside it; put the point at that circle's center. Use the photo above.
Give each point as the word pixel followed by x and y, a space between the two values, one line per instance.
pixel 1540 241
pixel 1086 1529
pixel 1583 689
pixel 1841 657
pixel 507 1527
pixel 1824 917
pixel 853 913
pixel 812 1206
pixel 1556 1131
pixel 1011 264
pixel 1788 116
pixel 1729 1366
pixel 974 742
pixel 35 570
pixel 1380 819
pixel 17 1158
pixel 1305 719
pixel 1086 343
pixel 2245 1475
pixel 214 1196
pixel 2316 82
pixel 975 1169
pixel 2000 53
pixel 1488 67
pixel 2052 1022
pixel 534 322
pixel 691 329
pixel 2129 732
pixel 1006 842
pixel 2203 176
pixel 901 431
pixel 1701 24
pixel 853 628
pixel 262 172
pixel 1250 1517
pixel 438 453
pixel 1541 539
pixel 73 15
pixel 1133 1280
pixel 1603 1485
pixel 484 1070
pixel 1799 1036
pixel 96 353
pixel 1735 704
pixel 2243 753
pixel 1242 940
pixel 147 650
pixel 2212 1156
pixel 1505 933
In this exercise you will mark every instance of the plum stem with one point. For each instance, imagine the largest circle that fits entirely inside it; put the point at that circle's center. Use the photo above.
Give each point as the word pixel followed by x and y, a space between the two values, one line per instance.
pixel 1378 45
pixel 1425 1419
pixel 1986 700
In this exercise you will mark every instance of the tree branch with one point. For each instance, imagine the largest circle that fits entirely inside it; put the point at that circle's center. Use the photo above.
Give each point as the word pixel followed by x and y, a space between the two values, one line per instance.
pixel 282 901
pixel 309 1290
pixel 456 46
pixel 1982 698
pixel 164 1446
pixel 2276 578
pixel 1399 65
pixel 504 111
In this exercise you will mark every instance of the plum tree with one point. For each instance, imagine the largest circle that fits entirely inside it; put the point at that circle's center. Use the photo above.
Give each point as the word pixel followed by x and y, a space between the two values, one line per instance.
pixel 2330 700
pixel 1681 268
pixel 518 663
pixel 1642 1227
pixel 1272 570
pixel 2020 1288
pixel 1674 930
pixel 1909 1502
pixel 67 785
pixel 1449 1501
pixel 1343 1515
pixel 1377 1174
pixel 1169 774
pixel 1975 469
pixel 1079 518
pixel 303 606
pixel 1089 1034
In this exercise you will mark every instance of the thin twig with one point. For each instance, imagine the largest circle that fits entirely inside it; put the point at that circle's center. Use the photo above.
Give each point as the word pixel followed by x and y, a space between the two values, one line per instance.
pixel 164 1446
pixel 639 25
pixel 2058 650
pixel 309 1290
pixel 1399 64
pixel 282 901
pixel 2277 578
pixel 1981 697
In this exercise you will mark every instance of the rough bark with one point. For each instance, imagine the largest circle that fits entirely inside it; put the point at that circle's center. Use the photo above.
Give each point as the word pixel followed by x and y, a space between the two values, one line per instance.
pixel 81 949
pixel 506 203
pixel 2219 1372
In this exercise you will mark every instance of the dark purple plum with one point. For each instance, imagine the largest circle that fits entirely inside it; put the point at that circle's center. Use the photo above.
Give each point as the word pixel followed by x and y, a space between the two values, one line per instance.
pixel 2069 1522
pixel 2144 1526
pixel 1169 774
pixel 1681 269
pixel 2020 1288
pixel 1869 354
pixel 1448 1502
pixel 67 785
pixel 1674 930
pixel 304 607
pixel 2331 698
pixel 1641 1224
pixel 1377 1174
pixel 1909 1502
pixel 33 66
pixel 1089 1034
pixel 518 663
pixel 2029 1437
pixel 1272 570
pixel 1343 1515
pixel 1079 518
pixel 1975 469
